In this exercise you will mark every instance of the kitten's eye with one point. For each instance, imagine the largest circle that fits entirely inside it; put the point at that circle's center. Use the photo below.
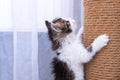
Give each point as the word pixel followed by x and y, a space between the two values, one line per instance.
pixel 67 23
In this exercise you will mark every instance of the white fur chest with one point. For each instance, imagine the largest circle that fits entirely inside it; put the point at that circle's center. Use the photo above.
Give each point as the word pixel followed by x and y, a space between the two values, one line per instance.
pixel 72 53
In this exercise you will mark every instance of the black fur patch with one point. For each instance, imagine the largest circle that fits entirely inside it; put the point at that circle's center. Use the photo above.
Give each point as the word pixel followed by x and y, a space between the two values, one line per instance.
pixel 61 70
pixel 89 49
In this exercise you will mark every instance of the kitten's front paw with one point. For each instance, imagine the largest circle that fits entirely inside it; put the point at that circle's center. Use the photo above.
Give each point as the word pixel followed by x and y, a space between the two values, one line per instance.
pixel 100 42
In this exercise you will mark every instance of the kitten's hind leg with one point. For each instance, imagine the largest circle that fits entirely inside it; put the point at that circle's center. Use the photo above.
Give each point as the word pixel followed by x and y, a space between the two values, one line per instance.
pixel 80 32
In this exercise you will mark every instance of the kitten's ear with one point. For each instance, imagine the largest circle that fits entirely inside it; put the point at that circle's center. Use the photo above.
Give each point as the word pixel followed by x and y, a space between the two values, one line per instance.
pixel 55 27
pixel 48 24
pixel 52 26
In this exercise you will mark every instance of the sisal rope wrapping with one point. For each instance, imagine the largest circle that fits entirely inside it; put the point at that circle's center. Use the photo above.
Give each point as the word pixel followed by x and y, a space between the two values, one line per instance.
pixel 103 17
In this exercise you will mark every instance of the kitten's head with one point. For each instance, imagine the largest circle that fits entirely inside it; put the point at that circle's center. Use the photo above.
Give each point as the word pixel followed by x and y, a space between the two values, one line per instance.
pixel 59 29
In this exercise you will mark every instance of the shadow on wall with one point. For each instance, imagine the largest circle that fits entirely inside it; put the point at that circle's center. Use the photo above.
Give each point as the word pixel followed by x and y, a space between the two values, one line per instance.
pixel 78 13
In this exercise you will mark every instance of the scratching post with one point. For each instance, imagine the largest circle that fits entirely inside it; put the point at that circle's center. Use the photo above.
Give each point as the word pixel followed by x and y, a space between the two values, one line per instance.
pixel 103 16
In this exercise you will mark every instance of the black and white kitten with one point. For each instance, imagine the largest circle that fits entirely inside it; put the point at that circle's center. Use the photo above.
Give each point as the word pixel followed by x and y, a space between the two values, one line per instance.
pixel 71 53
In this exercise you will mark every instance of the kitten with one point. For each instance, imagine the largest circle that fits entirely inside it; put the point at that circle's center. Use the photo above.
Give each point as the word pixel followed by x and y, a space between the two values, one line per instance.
pixel 71 53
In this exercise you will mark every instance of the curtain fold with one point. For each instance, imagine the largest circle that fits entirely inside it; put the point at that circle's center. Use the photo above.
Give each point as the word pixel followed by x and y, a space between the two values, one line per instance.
pixel 6 56
pixel 23 58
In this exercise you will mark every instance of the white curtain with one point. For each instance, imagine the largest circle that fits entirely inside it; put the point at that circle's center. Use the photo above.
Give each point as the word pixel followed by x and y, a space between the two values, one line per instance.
pixel 25 52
